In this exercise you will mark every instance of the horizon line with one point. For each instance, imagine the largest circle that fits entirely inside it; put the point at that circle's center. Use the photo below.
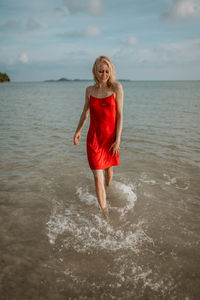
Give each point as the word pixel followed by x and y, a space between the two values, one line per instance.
pixel 76 80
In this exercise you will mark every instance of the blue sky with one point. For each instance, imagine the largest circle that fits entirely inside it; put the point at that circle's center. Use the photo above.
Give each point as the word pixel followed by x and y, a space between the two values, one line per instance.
pixel 146 39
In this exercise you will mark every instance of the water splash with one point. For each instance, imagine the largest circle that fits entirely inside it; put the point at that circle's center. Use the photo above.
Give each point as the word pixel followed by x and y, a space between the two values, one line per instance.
pixel 126 195
pixel 85 230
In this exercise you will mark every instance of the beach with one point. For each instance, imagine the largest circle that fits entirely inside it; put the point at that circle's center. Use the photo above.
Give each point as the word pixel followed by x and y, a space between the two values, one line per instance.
pixel 55 243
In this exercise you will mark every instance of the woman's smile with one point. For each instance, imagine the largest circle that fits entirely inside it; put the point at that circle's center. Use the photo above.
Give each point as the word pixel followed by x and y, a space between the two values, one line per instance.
pixel 103 72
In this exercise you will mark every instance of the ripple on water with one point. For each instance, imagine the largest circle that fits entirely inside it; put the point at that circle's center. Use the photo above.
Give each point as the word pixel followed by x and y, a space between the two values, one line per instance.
pixel 121 250
pixel 89 231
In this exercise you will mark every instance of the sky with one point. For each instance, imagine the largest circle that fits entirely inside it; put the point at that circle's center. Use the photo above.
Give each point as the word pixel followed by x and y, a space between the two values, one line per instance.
pixel 145 39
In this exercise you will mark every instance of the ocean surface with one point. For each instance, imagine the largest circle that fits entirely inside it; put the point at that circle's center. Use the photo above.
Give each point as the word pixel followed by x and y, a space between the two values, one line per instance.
pixel 54 241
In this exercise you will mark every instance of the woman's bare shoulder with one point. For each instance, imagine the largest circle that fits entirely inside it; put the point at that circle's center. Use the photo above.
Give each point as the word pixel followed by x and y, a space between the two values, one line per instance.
pixel 89 90
pixel 117 88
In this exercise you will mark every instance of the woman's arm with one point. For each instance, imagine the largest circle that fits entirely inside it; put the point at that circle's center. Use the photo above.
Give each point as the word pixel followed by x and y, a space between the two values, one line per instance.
pixel 119 98
pixel 83 119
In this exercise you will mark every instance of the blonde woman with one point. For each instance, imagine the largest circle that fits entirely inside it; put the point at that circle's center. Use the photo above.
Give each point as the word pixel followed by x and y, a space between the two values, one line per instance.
pixel 104 101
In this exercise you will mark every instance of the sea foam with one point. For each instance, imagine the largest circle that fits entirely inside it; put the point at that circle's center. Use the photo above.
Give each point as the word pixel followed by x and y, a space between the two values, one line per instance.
pixel 85 230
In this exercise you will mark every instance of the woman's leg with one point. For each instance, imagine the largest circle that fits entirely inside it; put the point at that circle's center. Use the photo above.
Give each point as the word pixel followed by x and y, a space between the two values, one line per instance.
pixel 108 175
pixel 100 191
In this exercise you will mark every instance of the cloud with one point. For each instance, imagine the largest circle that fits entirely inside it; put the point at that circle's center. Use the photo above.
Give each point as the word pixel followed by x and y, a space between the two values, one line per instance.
pixel 10 24
pixel 12 59
pixel 182 10
pixel 23 57
pixel 95 7
pixel 163 54
pixel 61 10
pixel 187 51
pixel 131 41
pixel 32 24
pixel 74 6
pixel 89 32
pixel 134 56
pixel 92 7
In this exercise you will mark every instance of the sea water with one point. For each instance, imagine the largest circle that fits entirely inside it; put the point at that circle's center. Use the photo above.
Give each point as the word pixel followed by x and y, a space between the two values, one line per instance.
pixel 55 243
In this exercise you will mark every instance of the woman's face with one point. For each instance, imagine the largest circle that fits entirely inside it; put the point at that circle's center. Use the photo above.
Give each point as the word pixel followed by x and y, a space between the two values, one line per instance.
pixel 103 72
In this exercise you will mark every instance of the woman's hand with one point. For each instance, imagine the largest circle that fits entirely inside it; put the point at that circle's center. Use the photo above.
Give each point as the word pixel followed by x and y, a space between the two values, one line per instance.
pixel 77 138
pixel 115 148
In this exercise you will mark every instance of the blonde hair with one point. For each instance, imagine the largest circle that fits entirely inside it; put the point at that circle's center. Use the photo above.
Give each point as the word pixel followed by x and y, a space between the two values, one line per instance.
pixel 106 60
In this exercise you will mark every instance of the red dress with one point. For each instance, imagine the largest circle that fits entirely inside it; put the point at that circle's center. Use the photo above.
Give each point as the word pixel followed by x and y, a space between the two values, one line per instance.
pixel 101 134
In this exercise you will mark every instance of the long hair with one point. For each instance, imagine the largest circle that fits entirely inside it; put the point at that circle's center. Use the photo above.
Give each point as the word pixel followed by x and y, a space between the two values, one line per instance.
pixel 106 60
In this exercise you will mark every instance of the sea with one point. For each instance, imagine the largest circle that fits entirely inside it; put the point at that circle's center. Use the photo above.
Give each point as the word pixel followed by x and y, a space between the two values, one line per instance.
pixel 54 242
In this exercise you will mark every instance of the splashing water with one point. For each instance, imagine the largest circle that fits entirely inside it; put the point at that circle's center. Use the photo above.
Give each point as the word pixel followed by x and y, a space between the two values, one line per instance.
pixel 92 231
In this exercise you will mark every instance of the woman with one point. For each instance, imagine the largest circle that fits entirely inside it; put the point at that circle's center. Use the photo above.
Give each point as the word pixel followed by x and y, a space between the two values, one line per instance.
pixel 104 100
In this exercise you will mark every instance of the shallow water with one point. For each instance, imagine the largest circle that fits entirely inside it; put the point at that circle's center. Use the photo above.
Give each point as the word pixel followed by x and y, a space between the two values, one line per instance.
pixel 55 243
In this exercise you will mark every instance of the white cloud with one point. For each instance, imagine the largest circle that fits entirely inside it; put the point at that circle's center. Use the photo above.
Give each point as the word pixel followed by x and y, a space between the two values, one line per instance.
pixel 93 7
pixel 182 10
pixel 187 51
pixel 131 41
pixel 89 32
pixel 23 57
pixel 32 24
pixel 163 54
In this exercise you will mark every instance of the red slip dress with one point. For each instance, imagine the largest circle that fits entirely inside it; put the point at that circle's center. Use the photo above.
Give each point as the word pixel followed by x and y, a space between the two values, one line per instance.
pixel 101 133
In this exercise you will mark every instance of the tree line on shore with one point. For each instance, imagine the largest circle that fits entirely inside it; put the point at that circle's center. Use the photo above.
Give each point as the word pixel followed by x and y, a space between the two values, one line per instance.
pixel 4 77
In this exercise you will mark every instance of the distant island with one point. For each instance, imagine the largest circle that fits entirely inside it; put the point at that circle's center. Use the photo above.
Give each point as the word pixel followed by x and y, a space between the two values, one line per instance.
pixel 66 79
pixel 4 77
